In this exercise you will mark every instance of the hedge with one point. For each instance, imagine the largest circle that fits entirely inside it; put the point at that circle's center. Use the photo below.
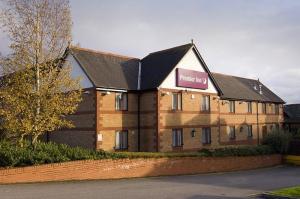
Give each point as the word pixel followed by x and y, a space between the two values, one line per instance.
pixel 45 153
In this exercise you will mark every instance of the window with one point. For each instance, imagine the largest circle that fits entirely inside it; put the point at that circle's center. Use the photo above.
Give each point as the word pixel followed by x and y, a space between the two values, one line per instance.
pixel 249 131
pixel 205 103
pixel 121 140
pixel 232 132
pixel 206 136
pixel 176 101
pixel 121 101
pixel 249 107
pixel 277 126
pixel 177 137
pixel 263 108
pixel 276 109
pixel 264 131
pixel 231 106
pixel 272 108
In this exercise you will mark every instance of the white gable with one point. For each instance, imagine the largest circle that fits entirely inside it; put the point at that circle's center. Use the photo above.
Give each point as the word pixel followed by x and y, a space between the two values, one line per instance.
pixel 78 72
pixel 190 62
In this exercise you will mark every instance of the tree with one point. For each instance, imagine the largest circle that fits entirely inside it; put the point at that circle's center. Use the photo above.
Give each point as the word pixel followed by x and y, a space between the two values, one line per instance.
pixel 37 91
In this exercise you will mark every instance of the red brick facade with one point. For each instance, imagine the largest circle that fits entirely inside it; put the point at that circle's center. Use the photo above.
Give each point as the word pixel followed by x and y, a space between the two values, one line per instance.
pixel 98 117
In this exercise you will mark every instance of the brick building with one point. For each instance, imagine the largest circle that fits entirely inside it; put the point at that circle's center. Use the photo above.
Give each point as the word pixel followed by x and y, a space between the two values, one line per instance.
pixel 167 101
pixel 292 117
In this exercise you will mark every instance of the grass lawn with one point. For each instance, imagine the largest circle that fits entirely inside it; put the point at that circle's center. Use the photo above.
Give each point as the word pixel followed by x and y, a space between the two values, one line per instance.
pixel 289 192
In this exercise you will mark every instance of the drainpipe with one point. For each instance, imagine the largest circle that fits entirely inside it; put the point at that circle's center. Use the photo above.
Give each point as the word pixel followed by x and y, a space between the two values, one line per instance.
pixel 257 123
pixel 139 107
pixel 139 124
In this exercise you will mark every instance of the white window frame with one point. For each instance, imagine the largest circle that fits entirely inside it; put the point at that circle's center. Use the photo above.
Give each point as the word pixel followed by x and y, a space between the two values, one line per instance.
pixel 231 133
pixel 121 101
pixel 206 135
pixel 121 140
pixel 177 137
pixel 249 107
pixel 176 101
pixel 205 103
pixel 231 106
pixel 249 131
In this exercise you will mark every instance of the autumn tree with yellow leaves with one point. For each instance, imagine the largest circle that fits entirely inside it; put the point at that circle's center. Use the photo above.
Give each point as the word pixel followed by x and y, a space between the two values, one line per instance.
pixel 37 91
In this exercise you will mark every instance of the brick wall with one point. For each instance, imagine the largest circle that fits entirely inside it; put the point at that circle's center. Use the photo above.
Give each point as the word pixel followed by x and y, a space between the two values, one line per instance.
pixel 128 168
pixel 112 120
pixel 148 121
pixel 97 113
pixel 84 133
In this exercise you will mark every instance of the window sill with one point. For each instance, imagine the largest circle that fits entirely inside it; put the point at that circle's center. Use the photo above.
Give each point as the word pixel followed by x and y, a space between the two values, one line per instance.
pixel 177 148
pixel 121 150
pixel 205 111
pixel 206 144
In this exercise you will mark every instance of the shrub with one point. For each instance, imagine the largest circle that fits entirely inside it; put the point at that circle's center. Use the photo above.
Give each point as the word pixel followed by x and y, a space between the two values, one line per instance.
pixel 278 140
pixel 239 151
pixel 297 135
pixel 14 156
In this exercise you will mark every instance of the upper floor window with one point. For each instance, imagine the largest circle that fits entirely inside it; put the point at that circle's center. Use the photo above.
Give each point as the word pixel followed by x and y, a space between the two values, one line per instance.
pixel 272 108
pixel 231 132
pixel 205 103
pixel 277 109
pixel 249 107
pixel 121 101
pixel 263 108
pixel 231 106
pixel 177 137
pixel 176 101
pixel 121 140
pixel 206 135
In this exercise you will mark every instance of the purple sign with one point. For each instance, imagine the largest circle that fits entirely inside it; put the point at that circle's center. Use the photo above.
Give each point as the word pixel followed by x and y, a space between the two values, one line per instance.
pixel 191 79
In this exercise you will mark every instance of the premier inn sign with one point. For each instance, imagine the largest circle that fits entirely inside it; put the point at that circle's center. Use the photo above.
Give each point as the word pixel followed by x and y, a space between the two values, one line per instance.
pixel 191 79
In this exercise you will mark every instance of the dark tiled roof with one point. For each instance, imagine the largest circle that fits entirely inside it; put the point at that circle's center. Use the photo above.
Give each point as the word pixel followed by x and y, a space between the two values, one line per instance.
pixel 242 88
pixel 108 70
pixel 156 66
pixel 292 113
pixel 120 72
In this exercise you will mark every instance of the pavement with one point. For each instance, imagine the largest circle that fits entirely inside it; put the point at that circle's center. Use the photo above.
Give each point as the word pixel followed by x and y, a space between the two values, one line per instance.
pixel 243 184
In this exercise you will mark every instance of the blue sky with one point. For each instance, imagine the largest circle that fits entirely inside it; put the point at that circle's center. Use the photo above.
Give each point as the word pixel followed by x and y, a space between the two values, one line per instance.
pixel 255 39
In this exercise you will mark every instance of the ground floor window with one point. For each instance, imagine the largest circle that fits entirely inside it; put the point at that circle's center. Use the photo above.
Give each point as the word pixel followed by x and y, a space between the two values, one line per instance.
pixel 206 136
pixel 177 137
pixel 121 140
pixel 231 133
pixel 249 131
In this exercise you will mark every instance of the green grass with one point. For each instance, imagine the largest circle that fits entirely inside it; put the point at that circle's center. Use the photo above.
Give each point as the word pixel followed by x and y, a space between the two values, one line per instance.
pixel 288 192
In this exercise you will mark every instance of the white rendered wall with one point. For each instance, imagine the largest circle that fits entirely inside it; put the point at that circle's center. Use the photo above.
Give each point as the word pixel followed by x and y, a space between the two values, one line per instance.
pixel 190 62
pixel 78 72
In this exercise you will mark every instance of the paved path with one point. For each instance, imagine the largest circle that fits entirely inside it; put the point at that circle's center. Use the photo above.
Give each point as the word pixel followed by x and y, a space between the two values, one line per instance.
pixel 208 186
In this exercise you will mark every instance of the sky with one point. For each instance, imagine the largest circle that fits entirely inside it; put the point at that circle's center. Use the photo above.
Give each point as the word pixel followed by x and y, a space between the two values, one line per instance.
pixel 253 39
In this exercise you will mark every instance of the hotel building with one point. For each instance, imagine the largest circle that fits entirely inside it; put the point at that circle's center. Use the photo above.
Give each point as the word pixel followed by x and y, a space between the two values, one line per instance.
pixel 167 101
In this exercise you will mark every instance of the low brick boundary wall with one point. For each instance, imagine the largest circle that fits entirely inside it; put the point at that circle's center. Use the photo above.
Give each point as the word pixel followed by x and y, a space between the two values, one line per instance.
pixel 129 168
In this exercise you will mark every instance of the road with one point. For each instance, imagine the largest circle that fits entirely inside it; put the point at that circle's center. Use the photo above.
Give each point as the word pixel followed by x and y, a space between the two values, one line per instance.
pixel 209 186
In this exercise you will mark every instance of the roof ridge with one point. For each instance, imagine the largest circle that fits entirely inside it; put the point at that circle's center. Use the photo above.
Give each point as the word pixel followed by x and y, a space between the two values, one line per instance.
pixel 234 76
pixel 171 48
pixel 102 52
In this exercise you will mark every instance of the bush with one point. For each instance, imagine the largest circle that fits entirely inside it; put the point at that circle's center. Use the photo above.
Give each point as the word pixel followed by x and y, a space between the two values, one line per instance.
pixel 44 153
pixel 278 140
pixel 239 151
pixel 297 135
pixel 11 155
